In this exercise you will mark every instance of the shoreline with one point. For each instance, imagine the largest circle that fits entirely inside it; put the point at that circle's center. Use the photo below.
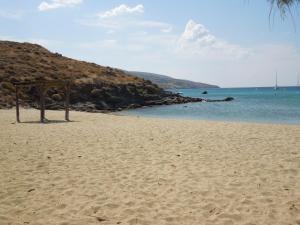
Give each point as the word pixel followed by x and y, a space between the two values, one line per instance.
pixel 121 113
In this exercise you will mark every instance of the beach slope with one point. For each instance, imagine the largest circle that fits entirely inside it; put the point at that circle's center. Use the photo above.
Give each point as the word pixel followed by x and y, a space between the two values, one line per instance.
pixel 109 169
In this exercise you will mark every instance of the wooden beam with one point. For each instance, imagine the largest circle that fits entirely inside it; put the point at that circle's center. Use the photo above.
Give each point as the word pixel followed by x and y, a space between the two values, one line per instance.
pixel 17 104
pixel 67 103
pixel 42 103
pixel 43 86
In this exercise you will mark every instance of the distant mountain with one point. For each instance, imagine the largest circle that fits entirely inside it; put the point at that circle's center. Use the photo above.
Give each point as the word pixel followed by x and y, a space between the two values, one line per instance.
pixel 167 82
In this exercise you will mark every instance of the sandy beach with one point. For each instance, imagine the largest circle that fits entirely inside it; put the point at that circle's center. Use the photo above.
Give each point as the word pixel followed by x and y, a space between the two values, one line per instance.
pixel 110 169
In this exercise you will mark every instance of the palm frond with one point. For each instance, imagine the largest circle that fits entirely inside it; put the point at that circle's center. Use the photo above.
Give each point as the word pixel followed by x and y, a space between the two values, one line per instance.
pixel 284 5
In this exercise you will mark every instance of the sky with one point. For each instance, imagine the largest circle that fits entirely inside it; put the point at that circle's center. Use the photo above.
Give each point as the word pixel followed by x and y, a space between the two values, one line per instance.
pixel 230 43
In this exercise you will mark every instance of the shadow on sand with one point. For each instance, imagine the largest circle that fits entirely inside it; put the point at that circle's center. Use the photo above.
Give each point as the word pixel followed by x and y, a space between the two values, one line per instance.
pixel 48 122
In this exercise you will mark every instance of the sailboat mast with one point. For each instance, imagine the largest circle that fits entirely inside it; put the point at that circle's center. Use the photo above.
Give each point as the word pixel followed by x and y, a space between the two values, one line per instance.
pixel 276 85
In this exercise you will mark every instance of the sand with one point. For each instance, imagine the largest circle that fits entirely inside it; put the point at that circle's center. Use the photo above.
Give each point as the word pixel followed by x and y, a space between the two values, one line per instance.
pixel 110 169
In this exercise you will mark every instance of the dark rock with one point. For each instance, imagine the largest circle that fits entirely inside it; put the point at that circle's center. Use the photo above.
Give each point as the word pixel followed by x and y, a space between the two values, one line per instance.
pixel 228 99
pixel 101 105
pixel 48 100
pixel 7 85
pixel 133 106
pixel 57 97
pixel 13 80
pixel 58 54
pixel 204 92
pixel 97 93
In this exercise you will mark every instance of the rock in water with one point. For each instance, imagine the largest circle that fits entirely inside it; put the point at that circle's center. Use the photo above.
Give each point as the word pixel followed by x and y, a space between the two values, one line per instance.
pixel 228 99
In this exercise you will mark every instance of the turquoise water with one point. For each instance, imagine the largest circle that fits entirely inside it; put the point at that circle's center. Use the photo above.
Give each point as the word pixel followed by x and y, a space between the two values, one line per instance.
pixel 264 105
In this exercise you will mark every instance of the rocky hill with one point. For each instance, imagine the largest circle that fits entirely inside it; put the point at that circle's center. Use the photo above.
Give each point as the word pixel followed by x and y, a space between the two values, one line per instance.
pixel 94 88
pixel 167 82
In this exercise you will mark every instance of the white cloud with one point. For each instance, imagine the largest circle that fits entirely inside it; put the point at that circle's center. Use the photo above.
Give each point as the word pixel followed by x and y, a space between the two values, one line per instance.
pixel 124 17
pixel 197 39
pixel 13 15
pixel 122 10
pixel 54 4
pixel 113 24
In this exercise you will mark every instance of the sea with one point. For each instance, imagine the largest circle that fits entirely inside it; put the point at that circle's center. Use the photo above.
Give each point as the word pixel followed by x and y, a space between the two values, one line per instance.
pixel 259 105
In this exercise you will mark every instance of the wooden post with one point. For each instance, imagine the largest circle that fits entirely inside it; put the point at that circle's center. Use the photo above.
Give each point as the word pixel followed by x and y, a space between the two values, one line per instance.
pixel 17 104
pixel 67 103
pixel 42 103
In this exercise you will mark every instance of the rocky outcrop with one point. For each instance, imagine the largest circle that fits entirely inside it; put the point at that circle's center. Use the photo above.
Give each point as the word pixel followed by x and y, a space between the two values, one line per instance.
pixel 94 88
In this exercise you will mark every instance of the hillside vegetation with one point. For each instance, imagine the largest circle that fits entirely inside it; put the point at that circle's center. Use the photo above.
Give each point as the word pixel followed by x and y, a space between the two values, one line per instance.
pixel 94 88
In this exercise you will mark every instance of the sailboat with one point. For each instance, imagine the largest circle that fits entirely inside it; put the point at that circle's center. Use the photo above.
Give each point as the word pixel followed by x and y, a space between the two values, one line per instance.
pixel 276 85
pixel 298 81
